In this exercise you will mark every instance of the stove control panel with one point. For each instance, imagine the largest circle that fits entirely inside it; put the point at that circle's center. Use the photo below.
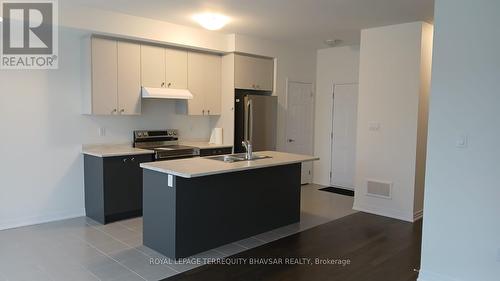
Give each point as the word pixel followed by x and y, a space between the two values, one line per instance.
pixel 169 133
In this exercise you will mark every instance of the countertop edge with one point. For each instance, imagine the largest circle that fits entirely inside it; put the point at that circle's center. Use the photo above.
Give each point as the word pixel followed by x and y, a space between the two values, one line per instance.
pixel 229 170
pixel 117 154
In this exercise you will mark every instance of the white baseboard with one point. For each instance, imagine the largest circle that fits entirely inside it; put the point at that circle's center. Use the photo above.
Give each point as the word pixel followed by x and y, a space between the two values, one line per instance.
pixel 418 215
pixel 384 212
pixel 432 276
pixel 20 222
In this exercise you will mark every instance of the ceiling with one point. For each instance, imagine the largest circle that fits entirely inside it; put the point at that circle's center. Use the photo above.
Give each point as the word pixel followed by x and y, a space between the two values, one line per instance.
pixel 304 22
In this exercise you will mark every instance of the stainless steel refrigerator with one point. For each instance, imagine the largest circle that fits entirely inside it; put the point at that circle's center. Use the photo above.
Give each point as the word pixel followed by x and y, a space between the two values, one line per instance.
pixel 255 120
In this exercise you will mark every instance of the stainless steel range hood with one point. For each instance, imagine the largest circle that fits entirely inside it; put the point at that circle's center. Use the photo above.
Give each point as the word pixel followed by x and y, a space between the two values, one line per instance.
pixel 166 93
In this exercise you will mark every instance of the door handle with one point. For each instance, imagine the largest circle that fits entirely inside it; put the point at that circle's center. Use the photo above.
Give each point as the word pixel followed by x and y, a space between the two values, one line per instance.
pixel 249 121
pixel 291 140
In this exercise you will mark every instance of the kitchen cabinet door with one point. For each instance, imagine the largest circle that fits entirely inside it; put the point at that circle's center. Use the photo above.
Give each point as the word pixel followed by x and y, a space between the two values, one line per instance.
pixel 123 186
pixel 253 73
pixel 213 80
pixel 264 72
pixel 176 69
pixel 152 66
pixel 113 187
pixel 196 83
pixel 104 77
pixel 129 78
pixel 204 82
pixel 244 77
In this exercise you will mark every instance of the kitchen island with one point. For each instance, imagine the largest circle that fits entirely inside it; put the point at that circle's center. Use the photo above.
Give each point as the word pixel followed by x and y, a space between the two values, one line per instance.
pixel 193 205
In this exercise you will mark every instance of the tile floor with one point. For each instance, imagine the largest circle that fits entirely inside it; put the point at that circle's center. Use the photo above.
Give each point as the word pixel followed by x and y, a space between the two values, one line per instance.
pixel 80 249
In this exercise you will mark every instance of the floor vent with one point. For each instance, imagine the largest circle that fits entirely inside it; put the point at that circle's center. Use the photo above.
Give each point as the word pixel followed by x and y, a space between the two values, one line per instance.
pixel 379 189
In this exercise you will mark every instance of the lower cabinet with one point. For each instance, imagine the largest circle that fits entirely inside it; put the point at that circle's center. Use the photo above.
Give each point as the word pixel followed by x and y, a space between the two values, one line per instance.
pixel 113 187
pixel 216 151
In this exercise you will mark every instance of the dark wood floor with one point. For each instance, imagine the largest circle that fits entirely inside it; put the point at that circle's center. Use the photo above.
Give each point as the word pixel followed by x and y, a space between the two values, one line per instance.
pixel 379 248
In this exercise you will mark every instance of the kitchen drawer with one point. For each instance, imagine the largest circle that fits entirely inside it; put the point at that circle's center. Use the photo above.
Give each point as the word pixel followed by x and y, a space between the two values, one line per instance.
pixel 216 151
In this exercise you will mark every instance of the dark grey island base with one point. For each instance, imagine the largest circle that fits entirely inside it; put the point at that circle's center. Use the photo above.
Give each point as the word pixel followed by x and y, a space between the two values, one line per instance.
pixel 201 213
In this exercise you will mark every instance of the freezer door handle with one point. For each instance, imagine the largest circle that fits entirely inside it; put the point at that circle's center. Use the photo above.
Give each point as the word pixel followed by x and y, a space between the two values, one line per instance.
pixel 250 125
pixel 248 132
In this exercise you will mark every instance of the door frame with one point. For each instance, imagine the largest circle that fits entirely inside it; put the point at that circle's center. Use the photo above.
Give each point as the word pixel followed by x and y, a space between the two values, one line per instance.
pixel 313 108
pixel 334 85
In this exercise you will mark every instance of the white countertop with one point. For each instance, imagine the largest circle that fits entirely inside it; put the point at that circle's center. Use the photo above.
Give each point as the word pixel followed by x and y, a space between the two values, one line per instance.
pixel 198 167
pixel 110 150
pixel 203 144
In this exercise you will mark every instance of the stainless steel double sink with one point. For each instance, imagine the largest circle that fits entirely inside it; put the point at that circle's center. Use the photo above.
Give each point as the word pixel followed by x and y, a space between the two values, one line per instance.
pixel 231 158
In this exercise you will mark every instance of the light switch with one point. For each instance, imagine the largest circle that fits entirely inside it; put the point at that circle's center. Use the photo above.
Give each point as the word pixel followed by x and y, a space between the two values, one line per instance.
pixel 170 180
pixel 462 141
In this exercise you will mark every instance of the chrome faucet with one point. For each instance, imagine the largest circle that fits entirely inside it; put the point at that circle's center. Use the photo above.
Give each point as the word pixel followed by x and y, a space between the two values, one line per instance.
pixel 249 148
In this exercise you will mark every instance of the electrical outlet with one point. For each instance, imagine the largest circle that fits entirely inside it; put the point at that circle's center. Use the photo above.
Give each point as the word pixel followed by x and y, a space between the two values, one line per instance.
pixel 102 132
pixel 374 126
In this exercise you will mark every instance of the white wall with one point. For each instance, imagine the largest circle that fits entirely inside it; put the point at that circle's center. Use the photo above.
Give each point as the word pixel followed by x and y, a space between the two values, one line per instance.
pixel 461 237
pixel 42 128
pixel 338 65
pixel 390 89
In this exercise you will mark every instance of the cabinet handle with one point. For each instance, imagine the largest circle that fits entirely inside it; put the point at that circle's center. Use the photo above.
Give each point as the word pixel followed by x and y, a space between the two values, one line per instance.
pixel 253 86
pixel 163 84
pixel 122 110
pixel 114 111
pixel 203 111
pixel 169 84
pixel 133 159
pixel 208 112
pixel 124 160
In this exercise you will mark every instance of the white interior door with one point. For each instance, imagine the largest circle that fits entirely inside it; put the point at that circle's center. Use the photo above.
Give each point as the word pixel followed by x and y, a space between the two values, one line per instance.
pixel 345 110
pixel 299 123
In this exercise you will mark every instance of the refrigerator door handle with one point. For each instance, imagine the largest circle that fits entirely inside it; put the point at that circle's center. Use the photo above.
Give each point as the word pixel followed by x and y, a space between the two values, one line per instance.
pixel 250 125
pixel 246 117
pixel 248 120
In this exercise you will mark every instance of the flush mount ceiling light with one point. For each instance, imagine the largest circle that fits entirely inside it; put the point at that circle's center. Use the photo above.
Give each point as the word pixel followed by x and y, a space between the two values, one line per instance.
pixel 211 21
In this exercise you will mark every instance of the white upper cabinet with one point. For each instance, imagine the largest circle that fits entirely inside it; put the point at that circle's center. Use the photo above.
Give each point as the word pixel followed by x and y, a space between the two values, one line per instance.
pixel 129 78
pixel 253 73
pixel 115 79
pixel 104 77
pixel 204 82
pixel 164 67
pixel 176 69
pixel 117 69
pixel 152 66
